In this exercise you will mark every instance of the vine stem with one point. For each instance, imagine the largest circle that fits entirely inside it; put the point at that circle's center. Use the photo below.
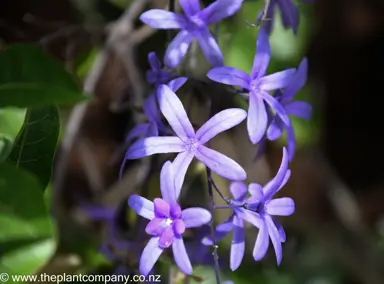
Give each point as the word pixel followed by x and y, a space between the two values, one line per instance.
pixel 212 225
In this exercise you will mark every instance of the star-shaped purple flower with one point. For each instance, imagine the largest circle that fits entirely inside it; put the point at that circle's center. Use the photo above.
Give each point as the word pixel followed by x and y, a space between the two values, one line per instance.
pixel 167 223
pixel 258 86
pixel 157 75
pixel 289 14
pixel 194 25
pixel 296 108
pixel 262 203
pixel 188 143
pixel 235 223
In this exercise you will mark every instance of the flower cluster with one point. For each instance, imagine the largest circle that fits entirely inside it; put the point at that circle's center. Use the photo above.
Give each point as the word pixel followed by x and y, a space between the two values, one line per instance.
pixel 271 102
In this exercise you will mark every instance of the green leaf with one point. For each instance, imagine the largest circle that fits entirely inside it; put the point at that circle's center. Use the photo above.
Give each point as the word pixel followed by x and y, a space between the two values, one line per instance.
pixel 26 237
pixel 5 148
pixel 11 121
pixel 29 77
pixel 34 148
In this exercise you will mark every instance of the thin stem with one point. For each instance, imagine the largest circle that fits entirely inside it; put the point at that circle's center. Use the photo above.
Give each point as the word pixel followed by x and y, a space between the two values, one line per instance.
pixel 212 225
pixel 210 180
pixel 223 207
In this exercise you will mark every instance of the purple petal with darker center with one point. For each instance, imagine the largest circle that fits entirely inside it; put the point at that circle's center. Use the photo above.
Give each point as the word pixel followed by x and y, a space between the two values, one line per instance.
pixel 181 257
pixel 273 103
pixel 174 112
pixel 238 190
pixel 190 7
pixel 166 237
pixel 150 255
pixel 299 109
pixel 155 227
pixel 142 206
pixel 219 10
pixel 229 76
pixel 220 164
pixel 209 47
pixel 181 163
pixel 220 122
pixel 284 206
pixel 275 238
pixel 262 242
pixel 275 129
pixel 167 184
pixel 277 80
pixel 238 243
pixel 263 55
pixel 257 118
pixel 177 49
pixel 195 217
pixel 154 145
pixel 161 19
pixel 162 208
pixel 221 231
pixel 273 185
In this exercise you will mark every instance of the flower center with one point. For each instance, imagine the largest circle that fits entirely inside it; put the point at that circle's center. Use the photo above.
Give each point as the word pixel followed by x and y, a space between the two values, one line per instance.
pixel 168 222
pixel 196 22
pixel 191 145
pixel 255 84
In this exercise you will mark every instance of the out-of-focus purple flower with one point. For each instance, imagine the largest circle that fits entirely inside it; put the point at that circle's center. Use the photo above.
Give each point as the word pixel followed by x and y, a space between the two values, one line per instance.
pixel 296 108
pixel 236 223
pixel 258 86
pixel 167 223
pixel 188 143
pixel 262 203
pixel 194 25
pixel 157 75
pixel 289 14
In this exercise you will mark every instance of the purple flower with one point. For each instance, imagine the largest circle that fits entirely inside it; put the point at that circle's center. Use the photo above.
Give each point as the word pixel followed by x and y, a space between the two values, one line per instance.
pixel 188 143
pixel 262 203
pixel 167 223
pixel 296 108
pixel 289 14
pixel 156 75
pixel 258 86
pixel 194 25
pixel 236 223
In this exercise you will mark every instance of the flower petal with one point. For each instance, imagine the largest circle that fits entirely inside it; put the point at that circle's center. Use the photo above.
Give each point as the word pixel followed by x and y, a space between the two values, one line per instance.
pixel 262 243
pixel 275 129
pixel 284 206
pixel 174 112
pixel 280 229
pixel 209 47
pixel 167 183
pixel 257 118
pixel 300 109
pixel 152 131
pixel 162 208
pixel 298 81
pixel 161 19
pixel 263 55
pixel 285 180
pixel 220 122
pixel 291 140
pixel 190 7
pixel 167 237
pixel 238 243
pixel 181 257
pixel 138 131
pixel 289 15
pixel 154 61
pixel 154 145
pixel 177 49
pixel 177 83
pixel 178 227
pixel 280 111
pixel 273 185
pixel 249 216
pixel 229 76
pixel 155 227
pixel 150 255
pixel 150 108
pixel 275 238
pixel 221 231
pixel 195 217
pixel 256 190
pixel 142 206
pixel 238 190
pixel 181 164
pixel 220 164
pixel 277 80
pixel 219 10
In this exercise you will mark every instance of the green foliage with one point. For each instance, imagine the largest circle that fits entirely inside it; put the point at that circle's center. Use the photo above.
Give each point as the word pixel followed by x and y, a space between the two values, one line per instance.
pixel 26 238
pixel 28 78
pixel 35 146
